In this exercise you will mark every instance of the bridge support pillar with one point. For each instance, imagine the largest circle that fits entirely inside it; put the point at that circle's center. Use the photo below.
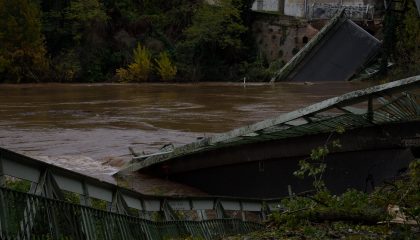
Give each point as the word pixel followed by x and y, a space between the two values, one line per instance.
pixel 220 211
pixel 168 212
pixel 201 214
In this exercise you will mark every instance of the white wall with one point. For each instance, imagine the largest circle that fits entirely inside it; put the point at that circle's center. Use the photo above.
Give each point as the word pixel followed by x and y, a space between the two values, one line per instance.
pixel 294 8
pixel 267 5
pixel 321 9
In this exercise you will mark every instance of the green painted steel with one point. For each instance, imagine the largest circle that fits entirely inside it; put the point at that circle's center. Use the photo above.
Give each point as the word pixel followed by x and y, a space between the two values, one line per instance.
pixel 27 216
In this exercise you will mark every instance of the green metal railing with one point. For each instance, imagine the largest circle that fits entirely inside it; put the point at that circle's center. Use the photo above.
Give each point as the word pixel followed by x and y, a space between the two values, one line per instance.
pixel 27 216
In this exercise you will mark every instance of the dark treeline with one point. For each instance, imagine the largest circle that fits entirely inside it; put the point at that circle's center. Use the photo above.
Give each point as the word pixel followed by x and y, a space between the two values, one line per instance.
pixel 90 40
pixel 140 40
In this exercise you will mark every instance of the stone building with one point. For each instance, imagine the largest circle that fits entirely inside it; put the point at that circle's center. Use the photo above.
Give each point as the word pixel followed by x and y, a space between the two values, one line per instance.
pixel 281 38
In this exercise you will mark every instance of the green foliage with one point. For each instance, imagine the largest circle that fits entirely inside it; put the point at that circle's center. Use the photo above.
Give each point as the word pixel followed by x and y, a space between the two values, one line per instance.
pixel 66 67
pixel 84 15
pixel 218 25
pixel 351 215
pixel 99 204
pixel 408 39
pixel 71 197
pixel 88 40
pixel 142 63
pixel 124 11
pixel 22 51
pixel 18 184
pixel 404 193
pixel 213 40
pixel 140 69
pixel 314 168
pixel 166 69
pixel 87 21
pixel 315 165
pixel 401 43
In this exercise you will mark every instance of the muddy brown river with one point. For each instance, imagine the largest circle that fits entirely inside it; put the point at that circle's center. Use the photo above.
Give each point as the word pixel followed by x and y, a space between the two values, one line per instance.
pixel 83 126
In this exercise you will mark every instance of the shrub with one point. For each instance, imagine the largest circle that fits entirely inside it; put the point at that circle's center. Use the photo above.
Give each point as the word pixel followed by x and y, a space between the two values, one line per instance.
pixel 165 67
pixel 140 69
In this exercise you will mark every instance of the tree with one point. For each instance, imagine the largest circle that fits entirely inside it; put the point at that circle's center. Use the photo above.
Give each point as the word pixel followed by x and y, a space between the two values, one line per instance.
pixel 88 24
pixel 22 51
pixel 408 42
pixel 214 38
pixel 86 15
pixel 220 25
pixel 166 69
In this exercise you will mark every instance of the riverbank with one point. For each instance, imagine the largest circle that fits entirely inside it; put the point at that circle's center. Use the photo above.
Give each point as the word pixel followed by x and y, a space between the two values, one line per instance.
pixel 92 41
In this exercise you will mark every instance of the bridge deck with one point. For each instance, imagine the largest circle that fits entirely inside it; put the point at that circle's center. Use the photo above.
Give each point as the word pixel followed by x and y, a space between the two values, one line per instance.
pixel 336 53
pixel 58 205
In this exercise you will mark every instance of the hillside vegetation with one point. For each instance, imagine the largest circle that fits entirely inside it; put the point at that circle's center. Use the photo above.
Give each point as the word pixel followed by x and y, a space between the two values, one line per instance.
pixel 145 40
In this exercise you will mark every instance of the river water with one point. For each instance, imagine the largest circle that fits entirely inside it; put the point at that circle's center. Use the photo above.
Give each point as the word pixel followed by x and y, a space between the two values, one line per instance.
pixel 89 127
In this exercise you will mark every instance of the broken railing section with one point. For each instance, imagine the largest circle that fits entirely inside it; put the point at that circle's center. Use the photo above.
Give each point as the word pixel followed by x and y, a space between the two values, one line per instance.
pixel 351 106
pixel 45 208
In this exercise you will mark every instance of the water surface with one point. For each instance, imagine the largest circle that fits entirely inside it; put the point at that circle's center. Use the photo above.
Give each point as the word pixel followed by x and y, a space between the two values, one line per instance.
pixel 101 121
pixel 87 128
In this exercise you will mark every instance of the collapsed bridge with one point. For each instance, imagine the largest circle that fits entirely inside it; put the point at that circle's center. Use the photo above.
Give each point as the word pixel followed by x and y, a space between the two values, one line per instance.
pixel 381 136
pixel 245 171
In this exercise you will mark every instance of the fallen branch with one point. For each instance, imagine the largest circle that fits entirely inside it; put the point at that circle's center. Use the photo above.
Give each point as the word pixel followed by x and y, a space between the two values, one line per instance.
pixel 346 216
